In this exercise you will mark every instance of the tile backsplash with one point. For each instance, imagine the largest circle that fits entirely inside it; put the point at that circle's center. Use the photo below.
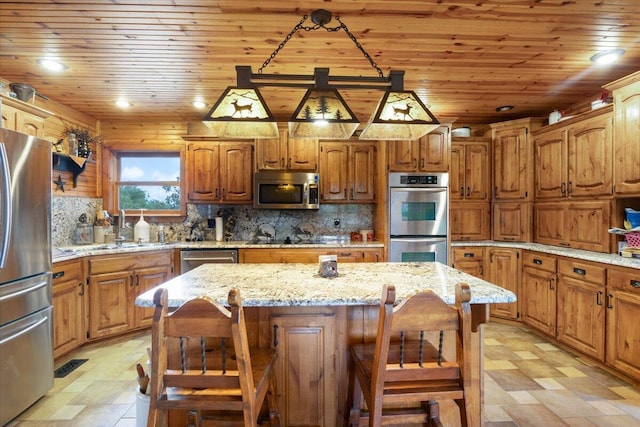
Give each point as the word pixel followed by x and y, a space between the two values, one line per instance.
pixel 240 221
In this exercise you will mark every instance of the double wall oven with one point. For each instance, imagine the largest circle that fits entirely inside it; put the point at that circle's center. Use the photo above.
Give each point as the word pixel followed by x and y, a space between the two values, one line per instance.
pixel 418 217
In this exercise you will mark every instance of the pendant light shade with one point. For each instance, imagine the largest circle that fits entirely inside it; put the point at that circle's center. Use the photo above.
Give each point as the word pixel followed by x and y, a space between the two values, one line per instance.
pixel 399 115
pixel 322 114
pixel 241 113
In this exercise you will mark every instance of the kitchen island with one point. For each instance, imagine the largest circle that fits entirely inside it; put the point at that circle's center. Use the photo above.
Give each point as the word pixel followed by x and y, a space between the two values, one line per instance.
pixel 313 320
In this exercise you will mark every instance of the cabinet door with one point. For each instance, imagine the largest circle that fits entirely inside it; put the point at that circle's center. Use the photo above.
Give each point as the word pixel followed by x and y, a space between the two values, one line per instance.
pixel 470 260
pixel 236 171
pixel 403 156
pixel 305 371
pixel 590 149
pixel 145 279
pixel 512 221
pixel 9 117
pixel 550 161
pixel 29 124
pixel 456 176
pixel 302 154
pixel 470 221
pixel 512 168
pixel 362 163
pixel 550 223
pixel 476 162
pixel 538 299
pixel 588 225
pixel 68 305
pixel 626 105
pixel 333 171
pixel 109 303
pixel 271 154
pixel 504 271
pixel 203 170
pixel 433 150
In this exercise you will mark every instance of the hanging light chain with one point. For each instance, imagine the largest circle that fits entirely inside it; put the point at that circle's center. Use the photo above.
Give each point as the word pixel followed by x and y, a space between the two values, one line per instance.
pixel 342 26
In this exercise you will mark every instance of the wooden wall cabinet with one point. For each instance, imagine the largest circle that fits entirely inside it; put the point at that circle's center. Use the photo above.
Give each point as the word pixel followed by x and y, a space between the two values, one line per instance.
pixel 308 255
pixel 23 117
pixel 469 259
pixel 430 153
pixel 305 369
pixel 581 307
pixel 538 292
pixel 578 224
pixel 512 221
pixel 68 290
pixel 285 153
pixel 574 159
pixel 220 171
pixel 504 267
pixel 469 220
pixel 513 159
pixel 469 177
pixel 114 283
pixel 347 172
pixel 623 312
pixel 626 141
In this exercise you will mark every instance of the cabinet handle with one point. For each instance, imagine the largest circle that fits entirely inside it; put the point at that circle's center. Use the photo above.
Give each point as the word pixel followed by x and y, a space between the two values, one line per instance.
pixel 481 270
pixel 345 193
pixel 275 335
pixel 217 193
pixel 609 298
pixel 563 188
pixel 495 191
pixel 468 191
pixel 224 193
pixel 422 163
pixel 537 261
pixel 551 287
pixel 81 285
pixel 569 188
pixel 565 244
pixel 282 162
pixel 469 255
pixel 137 280
pixel 345 254
pixel 57 275
pixel 599 298
pixel 353 193
pixel 415 163
pixel 634 283
pixel 461 191
pixel 579 271
pixel 131 280
pixel 289 163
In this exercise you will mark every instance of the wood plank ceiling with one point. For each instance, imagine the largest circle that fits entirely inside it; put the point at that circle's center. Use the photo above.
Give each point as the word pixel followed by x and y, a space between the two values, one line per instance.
pixel 464 58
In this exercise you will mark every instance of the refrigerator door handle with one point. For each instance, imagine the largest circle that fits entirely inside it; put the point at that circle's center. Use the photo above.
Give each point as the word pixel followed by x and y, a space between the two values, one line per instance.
pixel 6 205
pixel 25 330
pixel 24 291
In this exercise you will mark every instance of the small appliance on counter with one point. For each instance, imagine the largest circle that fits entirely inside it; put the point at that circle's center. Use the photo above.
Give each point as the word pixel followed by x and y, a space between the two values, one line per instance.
pixel 141 229
pixel 84 231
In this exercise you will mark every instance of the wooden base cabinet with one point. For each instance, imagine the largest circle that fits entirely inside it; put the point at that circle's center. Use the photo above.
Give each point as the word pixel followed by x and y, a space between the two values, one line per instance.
pixel 504 271
pixel 308 255
pixel 581 307
pixel 470 260
pixel 623 312
pixel 68 307
pixel 538 292
pixel 114 283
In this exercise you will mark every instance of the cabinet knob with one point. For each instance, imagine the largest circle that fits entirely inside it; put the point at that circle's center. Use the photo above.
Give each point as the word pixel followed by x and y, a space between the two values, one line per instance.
pixel 634 283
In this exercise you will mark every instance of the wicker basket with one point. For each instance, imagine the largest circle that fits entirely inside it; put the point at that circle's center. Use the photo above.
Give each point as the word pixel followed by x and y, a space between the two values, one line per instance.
pixel 633 239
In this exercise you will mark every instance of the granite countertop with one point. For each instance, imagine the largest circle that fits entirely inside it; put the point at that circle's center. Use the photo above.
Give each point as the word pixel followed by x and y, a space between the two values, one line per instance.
pixel 76 251
pixel 300 284
pixel 611 259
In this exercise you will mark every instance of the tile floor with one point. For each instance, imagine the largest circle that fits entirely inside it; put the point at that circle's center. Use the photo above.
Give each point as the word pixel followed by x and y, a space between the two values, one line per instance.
pixel 529 382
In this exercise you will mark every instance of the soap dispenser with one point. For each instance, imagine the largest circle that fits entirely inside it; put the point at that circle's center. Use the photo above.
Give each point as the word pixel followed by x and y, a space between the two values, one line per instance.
pixel 141 230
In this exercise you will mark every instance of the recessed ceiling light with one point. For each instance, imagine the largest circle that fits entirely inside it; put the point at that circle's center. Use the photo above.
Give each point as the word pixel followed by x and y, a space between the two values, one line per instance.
pixel 52 64
pixel 199 104
pixel 504 108
pixel 607 56
pixel 123 103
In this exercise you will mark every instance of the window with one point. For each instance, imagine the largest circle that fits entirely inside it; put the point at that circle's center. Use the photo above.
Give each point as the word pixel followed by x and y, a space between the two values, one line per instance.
pixel 150 180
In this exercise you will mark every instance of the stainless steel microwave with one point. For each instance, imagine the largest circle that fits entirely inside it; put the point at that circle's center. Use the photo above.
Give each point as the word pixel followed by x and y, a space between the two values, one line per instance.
pixel 286 190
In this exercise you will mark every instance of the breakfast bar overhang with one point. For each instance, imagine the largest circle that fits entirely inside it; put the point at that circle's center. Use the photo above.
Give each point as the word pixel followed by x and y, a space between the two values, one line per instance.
pixel 313 320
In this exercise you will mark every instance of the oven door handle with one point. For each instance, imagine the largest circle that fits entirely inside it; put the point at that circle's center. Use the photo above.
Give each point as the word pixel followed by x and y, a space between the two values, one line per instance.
pixel 211 259
pixel 418 190
pixel 419 239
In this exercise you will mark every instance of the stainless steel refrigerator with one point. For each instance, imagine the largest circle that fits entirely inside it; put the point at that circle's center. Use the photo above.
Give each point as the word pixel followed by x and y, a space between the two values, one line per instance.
pixel 26 329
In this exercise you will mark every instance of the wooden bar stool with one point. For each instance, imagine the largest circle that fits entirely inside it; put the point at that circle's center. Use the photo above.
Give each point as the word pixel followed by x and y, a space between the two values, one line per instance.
pixel 402 374
pixel 223 379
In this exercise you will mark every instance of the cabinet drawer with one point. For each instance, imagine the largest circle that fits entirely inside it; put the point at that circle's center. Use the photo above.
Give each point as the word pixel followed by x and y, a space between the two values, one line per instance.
pixel 624 280
pixel 128 261
pixel 539 261
pixel 67 271
pixel 468 254
pixel 582 271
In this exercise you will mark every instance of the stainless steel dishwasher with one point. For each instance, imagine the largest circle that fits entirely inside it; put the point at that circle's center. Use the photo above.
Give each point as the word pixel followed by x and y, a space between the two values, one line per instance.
pixel 192 258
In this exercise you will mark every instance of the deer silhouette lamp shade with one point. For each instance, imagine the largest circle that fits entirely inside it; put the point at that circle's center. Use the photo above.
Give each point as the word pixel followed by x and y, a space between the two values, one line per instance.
pixel 241 113
pixel 323 114
pixel 400 115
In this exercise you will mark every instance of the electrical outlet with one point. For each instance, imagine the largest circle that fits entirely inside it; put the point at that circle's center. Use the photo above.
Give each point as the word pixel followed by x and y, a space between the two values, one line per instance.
pixel 336 222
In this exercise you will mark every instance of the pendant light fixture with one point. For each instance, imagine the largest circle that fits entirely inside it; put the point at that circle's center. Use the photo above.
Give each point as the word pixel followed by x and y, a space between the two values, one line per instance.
pixel 241 112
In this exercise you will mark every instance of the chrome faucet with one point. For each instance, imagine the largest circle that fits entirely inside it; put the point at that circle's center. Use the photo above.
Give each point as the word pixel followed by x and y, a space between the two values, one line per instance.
pixel 121 226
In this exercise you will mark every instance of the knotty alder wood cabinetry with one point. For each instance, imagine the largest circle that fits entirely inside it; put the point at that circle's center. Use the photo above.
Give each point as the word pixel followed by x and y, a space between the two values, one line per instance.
pixel 285 153
pixel 347 172
pixel 470 220
pixel 538 292
pixel 308 255
pixel 504 266
pixel 512 221
pixel 626 142
pixel 469 178
pixel 573 158
pixel 220 171
pixel 470 260
pixel 114 283
pixel 430 153
pixel 22 116
pixel 69 301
